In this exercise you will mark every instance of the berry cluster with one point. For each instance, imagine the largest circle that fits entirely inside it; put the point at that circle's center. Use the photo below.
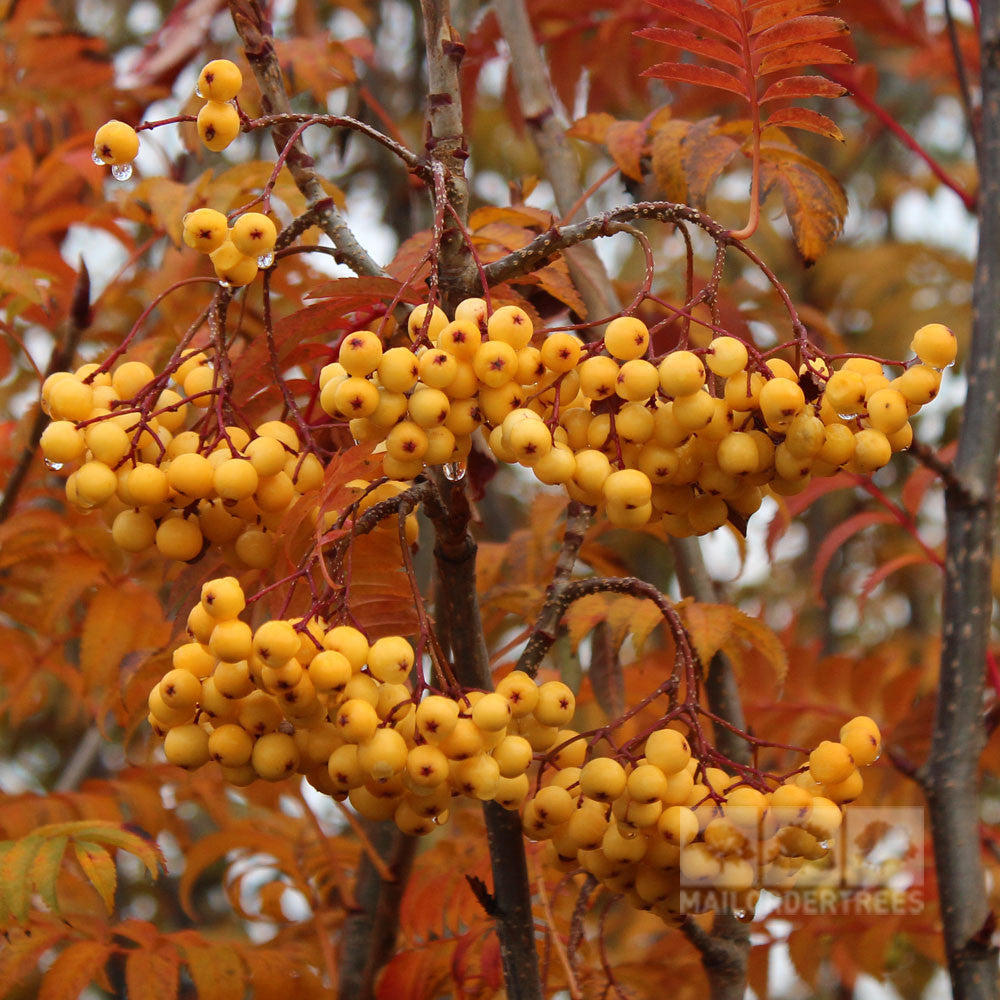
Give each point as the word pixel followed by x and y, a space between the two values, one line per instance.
pixel 218 120
pixel 297 696
pixel 161 485
pixel 694 438
pixel 236 253
pixel 666 823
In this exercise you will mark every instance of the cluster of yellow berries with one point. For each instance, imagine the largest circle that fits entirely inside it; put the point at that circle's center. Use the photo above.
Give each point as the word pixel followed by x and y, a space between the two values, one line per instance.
pixel 236 253
pixel 666 826
pixel 693 440
pixel 162 486
pixel 218 120
pixel 297 696
pixel 116 144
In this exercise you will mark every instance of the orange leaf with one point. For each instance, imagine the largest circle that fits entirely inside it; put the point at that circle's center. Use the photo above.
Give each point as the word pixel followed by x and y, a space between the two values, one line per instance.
pixel 592 128
pixel 217 972
pixel 702 15
pixel 809 121
pixel 710 48
pixel 706 154
pixel 792 87
pixel 705 76
pixel 626 142
pixel 152 975
pixel 815 202
pixel 666 156
pixel 808 54
pixel 74 968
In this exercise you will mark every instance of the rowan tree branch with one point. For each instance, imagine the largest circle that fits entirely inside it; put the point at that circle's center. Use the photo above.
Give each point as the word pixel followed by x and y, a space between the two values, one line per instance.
pixel 457 610
pixel 258 43
pixel 368 937
pixel 60 359
pixel 959 736
pixel 544 633
pixel 548 130
pixel 446 142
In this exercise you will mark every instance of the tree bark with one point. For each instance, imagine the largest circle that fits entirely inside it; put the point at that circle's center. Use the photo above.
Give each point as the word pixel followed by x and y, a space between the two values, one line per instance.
pixel 959 731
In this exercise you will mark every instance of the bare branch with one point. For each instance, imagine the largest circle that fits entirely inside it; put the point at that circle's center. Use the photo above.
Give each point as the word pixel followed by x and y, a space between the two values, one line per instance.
pixel 578 516
pixel 258 43
pixel 562 168
pixel 446 137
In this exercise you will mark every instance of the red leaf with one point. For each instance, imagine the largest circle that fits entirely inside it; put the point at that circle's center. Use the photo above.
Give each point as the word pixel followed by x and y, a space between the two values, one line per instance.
pixel 773 12
pixel 809 54
pixel 887 569
pixel 703 75
pixel 348 288
pixel 839 535
pixel 797 31
pixel 793 87
pixel 710 48
pixel 701 15
pixel 809 121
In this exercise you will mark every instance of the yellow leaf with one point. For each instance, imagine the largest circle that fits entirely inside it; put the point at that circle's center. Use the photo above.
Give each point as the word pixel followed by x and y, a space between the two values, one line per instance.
pixel 708 627
pixel 45 869
pixel 152 975
pixel 217 972
pixel 15 874
pixel 667 160
pixel 99 867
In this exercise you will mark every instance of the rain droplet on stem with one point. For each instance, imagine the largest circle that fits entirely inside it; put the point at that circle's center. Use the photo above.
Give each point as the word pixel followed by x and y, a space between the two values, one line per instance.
pixel 121 171
pixel 265 259
pixel 224 284
pixel 54 466
pixel 454 471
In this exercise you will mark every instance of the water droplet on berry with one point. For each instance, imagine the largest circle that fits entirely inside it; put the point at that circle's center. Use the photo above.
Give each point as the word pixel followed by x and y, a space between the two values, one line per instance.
pixel 54 466
pixel 224 284
pixel 121 171
pixel 265 259
pixel 96 157
pixel 198 93
pixel 454 471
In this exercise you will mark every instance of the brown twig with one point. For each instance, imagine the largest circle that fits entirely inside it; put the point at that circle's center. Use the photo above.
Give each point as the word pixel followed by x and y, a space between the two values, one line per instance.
pixel 258 44
pixel 543 634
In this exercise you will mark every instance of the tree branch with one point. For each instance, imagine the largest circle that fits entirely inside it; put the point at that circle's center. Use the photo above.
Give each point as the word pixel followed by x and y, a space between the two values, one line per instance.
pixel 446 139
pixel 369 933
pixel 457 607
pixel 258 43
pixel 548 129
pixel 959 737
pixel 578 516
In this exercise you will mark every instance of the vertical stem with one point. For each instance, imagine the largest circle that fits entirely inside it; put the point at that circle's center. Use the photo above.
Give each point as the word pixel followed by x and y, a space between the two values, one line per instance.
pixel 959 734
pixel 457 606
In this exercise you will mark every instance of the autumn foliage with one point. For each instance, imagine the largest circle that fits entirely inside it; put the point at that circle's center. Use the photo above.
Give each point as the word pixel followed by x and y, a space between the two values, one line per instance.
pixel 396 623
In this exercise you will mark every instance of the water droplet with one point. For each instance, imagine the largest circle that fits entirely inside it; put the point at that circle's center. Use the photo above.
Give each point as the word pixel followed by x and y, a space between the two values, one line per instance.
pixel 96 157
pixel 454 471
pixel 121 171
pixel 198 93
pixel 224 284
pixel 54 466
pixel 265 259
pixel 185 217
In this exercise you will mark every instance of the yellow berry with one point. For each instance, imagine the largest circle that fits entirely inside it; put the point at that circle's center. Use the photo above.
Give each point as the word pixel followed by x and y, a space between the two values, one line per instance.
pixel 521 693
pixel 254 235
pixel 668 750
pixel 681 373
pixel 187 746
pixel 62 442
pixel 218 124
pixel 390 659
pixel 510 325
pixel 133 530
pixel 626 338
pixel 204 230
pixel 417 317
pixel 727 356
pixel 602 779
pixel 275 756
pixel 116 143
pixel 935 345
pixel 830 762
pixel 231 745
pixel 220 80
